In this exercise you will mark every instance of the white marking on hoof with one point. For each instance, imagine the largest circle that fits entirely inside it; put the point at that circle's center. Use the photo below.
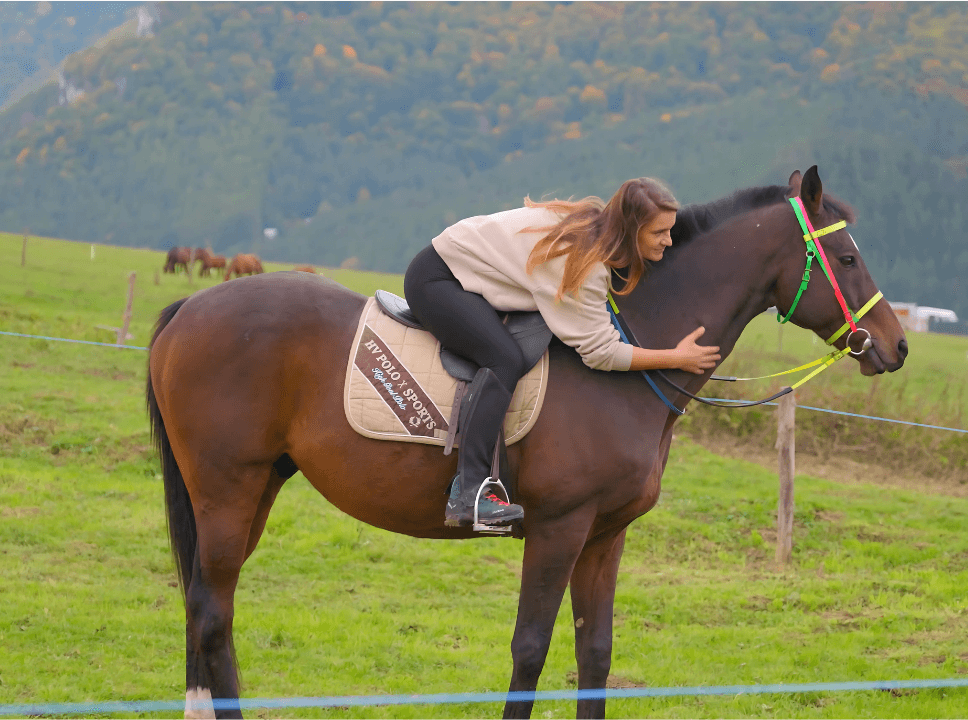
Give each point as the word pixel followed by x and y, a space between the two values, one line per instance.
pixel 198 704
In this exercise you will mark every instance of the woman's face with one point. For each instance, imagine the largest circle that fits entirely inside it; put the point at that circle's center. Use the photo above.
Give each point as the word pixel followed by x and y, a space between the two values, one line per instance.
pixel 656 235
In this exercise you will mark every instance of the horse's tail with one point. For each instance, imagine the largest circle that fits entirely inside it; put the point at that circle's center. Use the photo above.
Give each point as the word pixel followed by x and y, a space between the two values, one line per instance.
pixel 182 535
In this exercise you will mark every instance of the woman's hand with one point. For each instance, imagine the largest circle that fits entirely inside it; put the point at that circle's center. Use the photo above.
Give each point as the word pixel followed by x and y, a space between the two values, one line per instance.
pixel 696 358
pixel 687 356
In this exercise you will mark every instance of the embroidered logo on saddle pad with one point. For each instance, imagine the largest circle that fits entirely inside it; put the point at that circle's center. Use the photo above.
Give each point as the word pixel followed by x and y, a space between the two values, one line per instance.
pixel 397 389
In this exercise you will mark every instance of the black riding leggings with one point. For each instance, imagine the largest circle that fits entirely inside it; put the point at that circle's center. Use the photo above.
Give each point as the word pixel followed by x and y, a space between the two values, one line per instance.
pixel 463 322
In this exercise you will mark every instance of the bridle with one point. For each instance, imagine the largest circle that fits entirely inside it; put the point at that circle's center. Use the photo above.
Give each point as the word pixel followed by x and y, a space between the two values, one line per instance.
pixel 814 251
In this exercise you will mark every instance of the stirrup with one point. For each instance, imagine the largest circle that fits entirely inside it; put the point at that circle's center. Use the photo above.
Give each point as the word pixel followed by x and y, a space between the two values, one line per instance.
pixel 490 529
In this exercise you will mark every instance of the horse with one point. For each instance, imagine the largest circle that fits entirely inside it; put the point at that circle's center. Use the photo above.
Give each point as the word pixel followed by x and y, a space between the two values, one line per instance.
pixel 177 257
pixel 274 359
pixel 209 262
pixel 243 264
pixel 200 255
pixel 306 268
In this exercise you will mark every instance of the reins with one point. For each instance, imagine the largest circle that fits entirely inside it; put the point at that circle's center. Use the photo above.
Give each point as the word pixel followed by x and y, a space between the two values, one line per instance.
pixel 814 251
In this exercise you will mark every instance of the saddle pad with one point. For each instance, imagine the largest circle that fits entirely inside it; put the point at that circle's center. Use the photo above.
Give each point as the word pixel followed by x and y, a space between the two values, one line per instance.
pixel 396 388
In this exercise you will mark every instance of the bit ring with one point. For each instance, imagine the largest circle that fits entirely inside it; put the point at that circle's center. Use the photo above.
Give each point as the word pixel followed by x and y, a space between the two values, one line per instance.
pixel 868 343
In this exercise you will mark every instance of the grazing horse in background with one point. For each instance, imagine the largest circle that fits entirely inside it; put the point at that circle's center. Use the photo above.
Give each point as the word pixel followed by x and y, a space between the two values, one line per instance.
pixel 200 255
pixel 177 257
pixel 244 264
pixel 305 268
pixel 212 261
pixel 277 347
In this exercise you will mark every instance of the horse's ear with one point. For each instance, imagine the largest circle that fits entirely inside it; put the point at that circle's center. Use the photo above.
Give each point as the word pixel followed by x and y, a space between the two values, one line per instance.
pixel 811 190
pixel 794 183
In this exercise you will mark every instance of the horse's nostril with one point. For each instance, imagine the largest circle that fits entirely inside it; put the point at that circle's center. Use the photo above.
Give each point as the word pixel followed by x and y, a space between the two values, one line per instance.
pixel 902 348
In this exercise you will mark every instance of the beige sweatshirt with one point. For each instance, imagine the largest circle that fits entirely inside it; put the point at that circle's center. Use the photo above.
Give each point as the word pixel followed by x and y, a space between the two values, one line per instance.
pixel 488 255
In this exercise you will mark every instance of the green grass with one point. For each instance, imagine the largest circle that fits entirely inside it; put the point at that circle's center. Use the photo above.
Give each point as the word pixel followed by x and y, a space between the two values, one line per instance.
pixel 329 606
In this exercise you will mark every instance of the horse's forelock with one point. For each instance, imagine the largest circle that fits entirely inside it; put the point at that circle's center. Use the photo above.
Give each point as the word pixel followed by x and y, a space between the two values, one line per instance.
pixel 838 207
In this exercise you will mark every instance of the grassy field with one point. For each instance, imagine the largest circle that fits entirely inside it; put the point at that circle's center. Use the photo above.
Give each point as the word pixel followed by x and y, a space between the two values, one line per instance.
pixel 89 609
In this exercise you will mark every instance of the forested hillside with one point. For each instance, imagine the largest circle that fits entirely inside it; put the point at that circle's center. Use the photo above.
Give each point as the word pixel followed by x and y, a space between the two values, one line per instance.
pixel 360 130
pixel 36 36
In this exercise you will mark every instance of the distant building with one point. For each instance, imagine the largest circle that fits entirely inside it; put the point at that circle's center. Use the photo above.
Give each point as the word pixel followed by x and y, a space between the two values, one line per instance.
pixel 917 318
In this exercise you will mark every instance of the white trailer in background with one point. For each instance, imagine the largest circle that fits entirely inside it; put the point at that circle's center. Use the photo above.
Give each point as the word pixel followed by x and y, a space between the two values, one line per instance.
pixel 916 318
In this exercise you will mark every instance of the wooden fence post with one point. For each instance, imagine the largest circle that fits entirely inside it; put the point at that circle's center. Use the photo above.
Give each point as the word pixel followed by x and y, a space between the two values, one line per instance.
pixel 786 445
pixel 123 330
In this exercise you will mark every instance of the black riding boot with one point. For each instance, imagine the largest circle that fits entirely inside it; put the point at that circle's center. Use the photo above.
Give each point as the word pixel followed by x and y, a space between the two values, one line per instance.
pixel 480 421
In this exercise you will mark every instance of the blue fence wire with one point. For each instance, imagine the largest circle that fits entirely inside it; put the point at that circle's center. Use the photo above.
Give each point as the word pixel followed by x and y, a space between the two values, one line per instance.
pixel 69 340
pixel 91 708
pixel 857 415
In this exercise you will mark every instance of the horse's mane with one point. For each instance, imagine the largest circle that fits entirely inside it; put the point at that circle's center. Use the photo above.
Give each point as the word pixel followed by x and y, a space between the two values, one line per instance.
pixel 699 218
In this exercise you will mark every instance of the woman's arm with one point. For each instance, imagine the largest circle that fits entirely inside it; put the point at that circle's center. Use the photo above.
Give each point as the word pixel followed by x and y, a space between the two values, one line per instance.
pixel 687 356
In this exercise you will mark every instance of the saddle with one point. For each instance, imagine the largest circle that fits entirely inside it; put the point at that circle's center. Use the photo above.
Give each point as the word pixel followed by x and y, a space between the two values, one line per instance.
pixel 528 328
pixel 402 385
pixel 533 337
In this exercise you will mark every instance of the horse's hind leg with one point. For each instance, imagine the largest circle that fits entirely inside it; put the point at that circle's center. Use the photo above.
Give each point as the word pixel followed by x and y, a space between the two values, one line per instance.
pixel 276 481
pixel 592 601
pixel 226 523
pixel 550 552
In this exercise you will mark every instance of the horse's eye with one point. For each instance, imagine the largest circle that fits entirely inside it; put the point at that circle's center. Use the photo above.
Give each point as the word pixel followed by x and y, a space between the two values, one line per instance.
pixel 847 260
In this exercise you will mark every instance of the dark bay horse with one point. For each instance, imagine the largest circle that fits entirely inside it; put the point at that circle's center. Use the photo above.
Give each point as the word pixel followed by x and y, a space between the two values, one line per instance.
pixel 202 256
pixel 262 398
pixel 177 257
pixel 243 264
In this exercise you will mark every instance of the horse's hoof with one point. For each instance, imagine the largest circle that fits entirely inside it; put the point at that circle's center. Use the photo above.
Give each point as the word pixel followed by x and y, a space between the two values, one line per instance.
pixel 198 704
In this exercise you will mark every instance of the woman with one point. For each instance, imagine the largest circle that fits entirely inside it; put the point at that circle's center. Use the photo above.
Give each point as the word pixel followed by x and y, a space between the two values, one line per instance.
pixel 555 257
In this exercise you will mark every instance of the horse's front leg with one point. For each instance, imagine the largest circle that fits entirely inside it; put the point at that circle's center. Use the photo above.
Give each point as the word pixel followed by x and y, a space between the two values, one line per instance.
pixel 550 551
pixel 592 601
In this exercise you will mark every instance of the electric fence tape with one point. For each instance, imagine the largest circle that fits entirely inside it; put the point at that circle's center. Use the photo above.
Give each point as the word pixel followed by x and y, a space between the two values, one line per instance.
pixel 443 698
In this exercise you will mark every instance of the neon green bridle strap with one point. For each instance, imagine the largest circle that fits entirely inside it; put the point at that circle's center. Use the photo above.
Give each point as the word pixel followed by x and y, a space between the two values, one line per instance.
pixel 811 239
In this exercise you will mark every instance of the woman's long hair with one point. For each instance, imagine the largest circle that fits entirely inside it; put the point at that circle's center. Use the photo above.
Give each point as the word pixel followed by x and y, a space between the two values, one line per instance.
pixel 593 231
